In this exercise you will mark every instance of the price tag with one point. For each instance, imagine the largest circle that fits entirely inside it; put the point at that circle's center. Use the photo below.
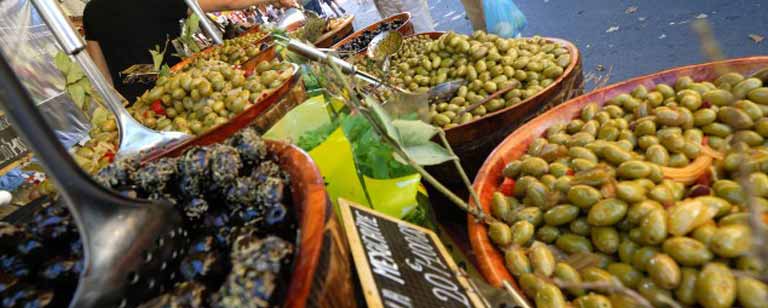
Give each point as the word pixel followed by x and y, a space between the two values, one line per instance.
pixel 12 148
pixel 403 265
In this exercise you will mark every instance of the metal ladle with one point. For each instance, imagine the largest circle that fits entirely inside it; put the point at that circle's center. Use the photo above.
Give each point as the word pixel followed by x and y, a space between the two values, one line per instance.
pixel 129 245
pixel 135 138
pixel 404 102
pixel 383 46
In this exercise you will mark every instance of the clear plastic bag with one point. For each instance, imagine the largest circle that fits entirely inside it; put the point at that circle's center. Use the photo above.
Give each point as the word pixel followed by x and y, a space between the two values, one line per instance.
pixel 419 9
pixel 504 18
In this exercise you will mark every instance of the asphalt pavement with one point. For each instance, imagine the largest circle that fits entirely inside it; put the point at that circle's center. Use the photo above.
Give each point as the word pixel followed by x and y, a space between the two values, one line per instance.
pixel 627 38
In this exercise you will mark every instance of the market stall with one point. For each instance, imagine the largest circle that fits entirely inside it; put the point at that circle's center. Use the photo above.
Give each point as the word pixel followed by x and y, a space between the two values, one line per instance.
pixel 305 164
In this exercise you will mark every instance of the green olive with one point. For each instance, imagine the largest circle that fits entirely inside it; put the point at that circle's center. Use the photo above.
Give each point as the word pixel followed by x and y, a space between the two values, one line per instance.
pixel 530 214
pixel 715 286
pixel 517 262
pixel 653 228
pixel 605 239
pixel 607 212
pixel 627 274
pixel 568 274
pixel 742 88
pixel 572 243
pixel 633 169
pixel 642 256
pixel 687 251
pixel 731 241
pixel 686 292
pixel 751 293
pixel 627 249
pixel 653 293
pixel 580 226
pixel 512 169
pixel 521 232
pixel 542 259
pixel 561 214
pixel 534 166
pixel 500 233
pixel 547 234
pixel 735 118
pixel 759 95
pixel 549 296
pixel 664 271
pixel 630 192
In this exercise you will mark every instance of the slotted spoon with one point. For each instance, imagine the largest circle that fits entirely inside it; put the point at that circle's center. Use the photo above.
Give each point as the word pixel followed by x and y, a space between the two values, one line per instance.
pixel 135 138
pixel 128 244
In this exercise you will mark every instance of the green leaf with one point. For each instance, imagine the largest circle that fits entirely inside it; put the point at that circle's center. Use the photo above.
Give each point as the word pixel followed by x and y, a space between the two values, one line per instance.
pixel 158 55
pixel 77 94
pixel 428 154
pixel 62 62
pixel 381 116
pixel 74 75
pixel 165 71
pixel 414 132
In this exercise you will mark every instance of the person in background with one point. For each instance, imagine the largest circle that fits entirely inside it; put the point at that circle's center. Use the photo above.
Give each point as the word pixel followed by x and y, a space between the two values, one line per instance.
pixel 474 9
pixel 314 6
pixel 120 33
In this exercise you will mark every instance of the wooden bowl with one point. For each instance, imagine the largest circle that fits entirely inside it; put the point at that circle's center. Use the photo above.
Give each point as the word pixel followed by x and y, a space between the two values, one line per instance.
pixel 473 141
pixel 245 118
pixel 489 179
pixel 321 273
pixel 337 34
pixel 406 29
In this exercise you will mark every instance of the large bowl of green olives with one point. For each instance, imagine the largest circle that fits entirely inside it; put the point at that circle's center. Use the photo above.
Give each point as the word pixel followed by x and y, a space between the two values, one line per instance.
pixel 214 100
pixel 646 185
pixel 508 81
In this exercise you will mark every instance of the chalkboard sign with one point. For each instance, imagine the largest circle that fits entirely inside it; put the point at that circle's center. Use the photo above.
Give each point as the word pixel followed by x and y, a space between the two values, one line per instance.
pixel 403 265
pixel 12 148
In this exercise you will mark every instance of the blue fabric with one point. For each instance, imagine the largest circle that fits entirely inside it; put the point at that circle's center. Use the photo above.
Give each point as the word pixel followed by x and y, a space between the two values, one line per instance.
pixel 503 18
pixel 12 180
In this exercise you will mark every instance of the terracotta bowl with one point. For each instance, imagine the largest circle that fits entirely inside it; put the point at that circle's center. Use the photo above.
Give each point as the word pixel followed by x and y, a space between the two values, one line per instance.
pixel 489 178
pixel 406 29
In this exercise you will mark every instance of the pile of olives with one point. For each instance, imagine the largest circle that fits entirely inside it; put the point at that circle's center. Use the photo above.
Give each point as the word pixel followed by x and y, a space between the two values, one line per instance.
pixel 593 200
pixel 206 95
pixel 235 51
pixel 487 62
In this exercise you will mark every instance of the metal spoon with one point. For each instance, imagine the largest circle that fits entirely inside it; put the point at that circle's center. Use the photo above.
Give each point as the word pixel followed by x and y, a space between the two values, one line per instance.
pixel 128 244
pixel 135 138
pixel 383 46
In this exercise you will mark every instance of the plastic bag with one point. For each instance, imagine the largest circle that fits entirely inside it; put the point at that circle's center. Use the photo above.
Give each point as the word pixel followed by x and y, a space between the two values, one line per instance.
pixel 503 18
pixel 334 157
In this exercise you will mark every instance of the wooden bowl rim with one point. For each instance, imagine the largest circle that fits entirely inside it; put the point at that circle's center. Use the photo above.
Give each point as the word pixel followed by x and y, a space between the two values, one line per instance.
pixel 308 185
pixel 488 258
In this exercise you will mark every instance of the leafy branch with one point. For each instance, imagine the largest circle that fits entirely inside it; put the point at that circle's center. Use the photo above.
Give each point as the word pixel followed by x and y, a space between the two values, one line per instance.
pixel 77 86
pixel 411 143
